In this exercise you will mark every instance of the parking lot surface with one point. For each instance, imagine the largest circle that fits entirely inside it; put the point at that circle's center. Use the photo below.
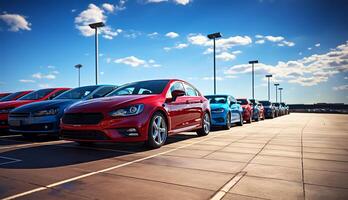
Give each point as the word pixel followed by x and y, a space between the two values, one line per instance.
pixel 298 156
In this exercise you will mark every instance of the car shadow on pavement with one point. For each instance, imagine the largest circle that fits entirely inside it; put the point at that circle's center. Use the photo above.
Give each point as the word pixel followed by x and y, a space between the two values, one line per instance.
pixel 70 153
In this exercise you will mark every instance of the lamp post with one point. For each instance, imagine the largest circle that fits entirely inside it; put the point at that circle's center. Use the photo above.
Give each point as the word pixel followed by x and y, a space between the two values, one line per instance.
pixel 280 94
pixel 252 77
pixel 78 67
pixel 268 76
pixel 214 36
pixel 95 26
pixel 276 85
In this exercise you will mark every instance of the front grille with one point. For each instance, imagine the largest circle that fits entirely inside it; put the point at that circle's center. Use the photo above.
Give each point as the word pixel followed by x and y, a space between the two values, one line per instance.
pixel 83 135
pixel 19 115
pixel 219 119
pixel 33 127
pixel 82 118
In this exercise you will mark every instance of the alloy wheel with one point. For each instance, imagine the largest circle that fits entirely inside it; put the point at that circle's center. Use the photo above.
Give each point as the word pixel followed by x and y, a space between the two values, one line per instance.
pixel 159 130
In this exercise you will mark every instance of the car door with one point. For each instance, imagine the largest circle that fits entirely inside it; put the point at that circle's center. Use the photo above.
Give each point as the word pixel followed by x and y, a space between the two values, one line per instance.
pixel 194 108
pixel 177 110
pixel 234 109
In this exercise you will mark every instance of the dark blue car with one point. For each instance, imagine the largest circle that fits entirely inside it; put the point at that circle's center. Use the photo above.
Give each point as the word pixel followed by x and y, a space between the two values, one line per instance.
pixel 225 111
pixel 44 117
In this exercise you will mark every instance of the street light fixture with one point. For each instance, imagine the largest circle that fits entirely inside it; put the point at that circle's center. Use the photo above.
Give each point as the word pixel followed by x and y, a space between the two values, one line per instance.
pixel 78 67
pixel 280 94
pixel 276 85
pixel 268 76
pixel 252 76
pixel 95 26
pixel 213 36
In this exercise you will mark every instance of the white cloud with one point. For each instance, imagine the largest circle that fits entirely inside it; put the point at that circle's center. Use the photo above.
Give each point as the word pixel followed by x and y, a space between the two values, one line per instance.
pixel 341 87
pixel 152 35
pixel 55 72
pixel 131 60
pixel 137 62
pixel 225 56
pixel 307 71
pixel 108 7
pixel 172 35
pixel 51 67
pixel 317 45
pixel 309 48
pixel 15 22
pixel 94 14
pixel 274 38
pixel 44 76
pixel 260 41
pixel 182 2
pixel 221 44
pixel 27 81
pixel 178 46
pixel 237 52
pixel 167 48
pixel 279 40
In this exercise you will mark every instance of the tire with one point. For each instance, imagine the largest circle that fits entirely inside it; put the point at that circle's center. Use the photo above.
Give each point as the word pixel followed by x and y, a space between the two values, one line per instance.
pixel 85 144
pixel 228 122
pixel 273 115
pixel 250 119
pixel 258 117
pixel 158 131
pixel 240 123
pixel 206 124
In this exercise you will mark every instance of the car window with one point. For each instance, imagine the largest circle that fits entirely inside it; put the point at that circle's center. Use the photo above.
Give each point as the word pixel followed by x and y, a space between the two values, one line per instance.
pixel 11 97
pixel 56 94
pixel 77 93
pixel 175 86
pixel 190 91
pixel 36 95
pixel 141 88
pixel 217 99
pixel 103 91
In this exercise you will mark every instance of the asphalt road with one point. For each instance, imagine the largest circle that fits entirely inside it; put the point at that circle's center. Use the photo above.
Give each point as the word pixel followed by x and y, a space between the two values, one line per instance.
pixel 298 156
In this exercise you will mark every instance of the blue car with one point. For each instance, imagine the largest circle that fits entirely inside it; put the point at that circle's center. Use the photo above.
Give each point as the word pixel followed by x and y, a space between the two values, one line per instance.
pixel 44 117
pixel 225 111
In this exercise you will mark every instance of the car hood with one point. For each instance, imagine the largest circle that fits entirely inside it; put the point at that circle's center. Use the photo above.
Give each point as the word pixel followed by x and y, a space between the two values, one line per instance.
pixel 107 104
pixel 42 105
pixel 218 106
pixel 14 104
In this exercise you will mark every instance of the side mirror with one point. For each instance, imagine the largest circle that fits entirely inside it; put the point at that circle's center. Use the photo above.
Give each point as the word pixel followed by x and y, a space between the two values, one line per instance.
pixel 177 93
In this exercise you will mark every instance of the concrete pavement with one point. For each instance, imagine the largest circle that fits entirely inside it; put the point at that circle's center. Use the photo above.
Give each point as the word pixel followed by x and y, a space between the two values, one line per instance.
pixel 298 156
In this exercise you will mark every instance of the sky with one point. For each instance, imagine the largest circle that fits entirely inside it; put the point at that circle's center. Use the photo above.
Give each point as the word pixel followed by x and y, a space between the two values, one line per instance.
pixel 302 43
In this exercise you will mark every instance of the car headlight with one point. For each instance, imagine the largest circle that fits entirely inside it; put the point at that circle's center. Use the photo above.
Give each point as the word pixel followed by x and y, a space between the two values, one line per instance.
pixel 127 111
pixel 52 111
pixel 5 110
pixel 220 110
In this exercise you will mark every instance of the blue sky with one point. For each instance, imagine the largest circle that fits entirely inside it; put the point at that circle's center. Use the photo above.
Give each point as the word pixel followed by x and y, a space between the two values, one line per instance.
pixel 302 43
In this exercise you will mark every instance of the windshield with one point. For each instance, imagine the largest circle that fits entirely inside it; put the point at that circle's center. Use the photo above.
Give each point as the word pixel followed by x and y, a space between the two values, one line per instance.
pixel 283 104
pixel 217 99
pixel 141 88
pixel 243 101
pixel 36 95
pixel 276 104
pixel 77 93
pixel 11 97
pixel 265 103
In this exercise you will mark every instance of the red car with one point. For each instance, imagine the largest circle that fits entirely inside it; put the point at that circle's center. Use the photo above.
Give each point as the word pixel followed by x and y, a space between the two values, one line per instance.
pixel 2 95
pixel 247 109
pixel 140 111
pixel 39 95
pixel 15 96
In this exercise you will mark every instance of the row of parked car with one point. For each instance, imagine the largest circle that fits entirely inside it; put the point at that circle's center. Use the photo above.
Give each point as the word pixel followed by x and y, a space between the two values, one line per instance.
pixel 146 111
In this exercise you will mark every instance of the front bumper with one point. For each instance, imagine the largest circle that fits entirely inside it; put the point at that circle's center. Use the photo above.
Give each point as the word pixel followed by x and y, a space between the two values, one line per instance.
pixel 218 119
pixel 41 125
pixel 121 129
